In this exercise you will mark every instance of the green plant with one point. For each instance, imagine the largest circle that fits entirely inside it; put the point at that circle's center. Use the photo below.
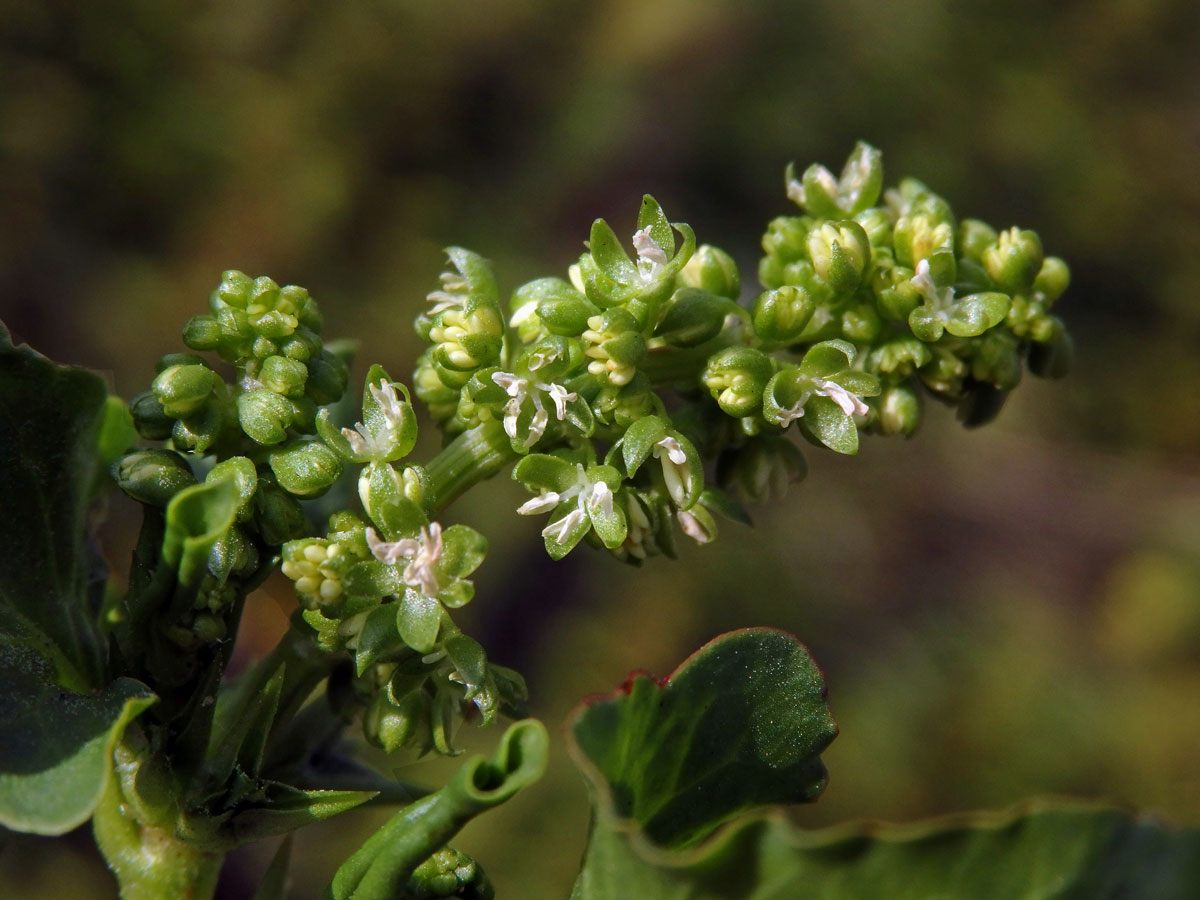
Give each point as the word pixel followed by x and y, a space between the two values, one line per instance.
pixel 637 400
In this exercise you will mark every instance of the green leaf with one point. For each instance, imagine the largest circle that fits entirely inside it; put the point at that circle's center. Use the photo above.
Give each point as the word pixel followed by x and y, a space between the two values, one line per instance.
pixel 117 433
pixel 739 724
pixel 280 808
pixel 51 421
pixel 1044 849
pixel 57 748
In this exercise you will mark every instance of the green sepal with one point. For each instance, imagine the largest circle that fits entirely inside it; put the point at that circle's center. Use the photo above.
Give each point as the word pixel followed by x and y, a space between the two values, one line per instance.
pixel 378 638
pixel 826 423
pixel 827 358
pixel 638 442
pixel 976 313
pixel 418 620
pixel 781 315
pixel 463 549
pixel 56 758
pixel 381 489
pixel 609 256
pixel 481 282
pixel 541 472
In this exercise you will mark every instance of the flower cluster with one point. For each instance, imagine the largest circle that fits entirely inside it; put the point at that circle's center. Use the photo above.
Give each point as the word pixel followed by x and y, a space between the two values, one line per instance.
pixel 871 300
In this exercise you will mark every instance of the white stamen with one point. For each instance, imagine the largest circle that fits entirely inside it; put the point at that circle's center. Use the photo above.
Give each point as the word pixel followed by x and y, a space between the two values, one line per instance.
pixel 540 504
pixel 674 467
pixel 389 403
pixel 692 528
pixel 651 257
pixel 941 298
pixel 422 553
pixel 558 531
pixel 453 294
pixel 523 312
pixel 560 395
pixel 602 497
pixel 850 404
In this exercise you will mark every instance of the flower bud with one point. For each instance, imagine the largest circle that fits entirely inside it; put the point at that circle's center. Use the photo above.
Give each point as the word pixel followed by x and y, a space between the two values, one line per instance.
pixel 919 236
pixel 284 376
pixel 1052 357
pixel 328 375
pixel 877 223
pixel 152 477
pixel 762 468
pixel 861 324
pixel 556 304
pixel 265 416
pixel 203 333
pixel 974 238
pixel 391 726
pixel 277 513
pixel 305 468
pixel 736 378
pixel 692 317
pixel 183 389
pixel 1052 280
pixel 997 359
pixel 235 289
pixel 712 269
pixel 196 434
pixel 839 253
pixel 786 236
pixel 899 409
pixel 1014 260
pixel 622 405
pixel 780 315
pixel 149 418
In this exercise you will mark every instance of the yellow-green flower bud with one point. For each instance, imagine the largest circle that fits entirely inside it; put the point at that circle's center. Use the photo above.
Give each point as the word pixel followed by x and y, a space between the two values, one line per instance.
pixel 277 513
pixel 183 390
pixel 305 468
pixel 196 434
pixel 736 378
pixel 692 317
pixel 974 238
pixel 781 315
pixel 265 416
pixel 839 252
pixel 919 236
pixel 1052 280
pixel 899 408
pixel 712 269
pixel 152 476
pixel 328 374
pixel 284 376
pixel 314 566
pixel 391 726
pixel 1014 260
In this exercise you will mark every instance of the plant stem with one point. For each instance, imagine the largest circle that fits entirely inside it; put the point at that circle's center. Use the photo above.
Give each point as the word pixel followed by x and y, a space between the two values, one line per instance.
pixel 150 862
pixel 472 457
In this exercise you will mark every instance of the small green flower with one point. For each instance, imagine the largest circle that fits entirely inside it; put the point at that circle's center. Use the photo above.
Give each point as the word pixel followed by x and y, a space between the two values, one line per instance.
pixel 941 311
pixel 826 386
pixel 526 415
pixel 820 194
pixel 388 429
pixel 581 499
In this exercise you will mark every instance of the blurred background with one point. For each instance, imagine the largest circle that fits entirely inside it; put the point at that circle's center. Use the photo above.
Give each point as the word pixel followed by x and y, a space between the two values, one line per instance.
pixel 999 613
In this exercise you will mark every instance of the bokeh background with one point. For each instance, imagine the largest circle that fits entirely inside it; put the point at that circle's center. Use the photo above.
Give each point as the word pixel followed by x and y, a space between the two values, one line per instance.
pixel 1000 613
